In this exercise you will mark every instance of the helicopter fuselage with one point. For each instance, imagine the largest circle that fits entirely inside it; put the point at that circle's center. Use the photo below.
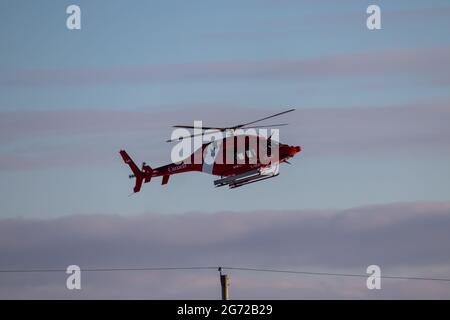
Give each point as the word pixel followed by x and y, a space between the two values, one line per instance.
pixel 227 157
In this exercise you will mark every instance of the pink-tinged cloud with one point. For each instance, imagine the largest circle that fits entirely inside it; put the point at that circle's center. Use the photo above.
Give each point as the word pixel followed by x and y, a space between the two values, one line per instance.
pixel 408 239
pixel 40 123
pixel 420 64
pixel 71 138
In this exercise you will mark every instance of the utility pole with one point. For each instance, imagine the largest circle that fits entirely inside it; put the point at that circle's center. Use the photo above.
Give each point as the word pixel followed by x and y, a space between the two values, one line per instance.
pixel 224 284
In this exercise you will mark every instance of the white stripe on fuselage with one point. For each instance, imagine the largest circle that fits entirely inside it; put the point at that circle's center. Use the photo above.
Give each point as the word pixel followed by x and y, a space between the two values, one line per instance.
pixel 210 155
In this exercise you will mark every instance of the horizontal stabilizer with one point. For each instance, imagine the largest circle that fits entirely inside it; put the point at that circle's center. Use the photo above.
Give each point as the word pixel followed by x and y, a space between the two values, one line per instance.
pixel 165 179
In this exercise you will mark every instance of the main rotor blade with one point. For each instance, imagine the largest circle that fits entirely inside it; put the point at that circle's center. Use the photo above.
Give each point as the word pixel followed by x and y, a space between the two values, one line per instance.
pixel 239 125
pixel 274 115
pixel 203 128
pixel 191 136
pixel 266 126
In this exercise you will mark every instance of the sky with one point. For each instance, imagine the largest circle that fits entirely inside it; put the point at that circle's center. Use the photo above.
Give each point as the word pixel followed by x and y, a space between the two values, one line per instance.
pixel 372 114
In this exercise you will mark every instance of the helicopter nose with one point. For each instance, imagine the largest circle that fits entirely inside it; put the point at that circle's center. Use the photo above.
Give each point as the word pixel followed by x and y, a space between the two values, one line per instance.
pixel 294 150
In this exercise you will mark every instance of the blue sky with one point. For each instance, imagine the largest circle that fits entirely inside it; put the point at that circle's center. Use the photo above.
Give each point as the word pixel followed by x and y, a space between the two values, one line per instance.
pixel 140 51
pixel 372 184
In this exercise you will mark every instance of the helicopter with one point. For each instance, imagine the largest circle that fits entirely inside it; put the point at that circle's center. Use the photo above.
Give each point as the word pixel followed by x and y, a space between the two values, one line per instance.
pixel 238 158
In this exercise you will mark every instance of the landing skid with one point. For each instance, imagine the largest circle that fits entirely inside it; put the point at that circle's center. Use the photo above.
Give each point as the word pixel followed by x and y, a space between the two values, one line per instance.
pixel 248 177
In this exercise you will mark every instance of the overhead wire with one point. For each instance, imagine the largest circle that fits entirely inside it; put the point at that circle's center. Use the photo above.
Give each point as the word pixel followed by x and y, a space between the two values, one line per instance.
pixel 220 268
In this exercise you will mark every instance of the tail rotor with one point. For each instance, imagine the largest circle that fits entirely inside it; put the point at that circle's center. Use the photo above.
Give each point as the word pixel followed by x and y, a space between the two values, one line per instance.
pixel 141 175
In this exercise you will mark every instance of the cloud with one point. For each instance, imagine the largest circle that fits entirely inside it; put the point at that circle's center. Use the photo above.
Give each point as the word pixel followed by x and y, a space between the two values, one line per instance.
pixel 430 64
pixel 71 138
pixel 408 129
pixel 403 238
pixel 72 122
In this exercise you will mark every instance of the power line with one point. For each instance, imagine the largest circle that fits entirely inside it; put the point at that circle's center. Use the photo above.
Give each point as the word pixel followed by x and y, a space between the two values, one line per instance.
pixel 334 274
pixel 108 269
pixel 300 272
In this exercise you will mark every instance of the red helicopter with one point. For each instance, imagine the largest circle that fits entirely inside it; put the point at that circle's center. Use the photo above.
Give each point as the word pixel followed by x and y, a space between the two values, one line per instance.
pixel 249 163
